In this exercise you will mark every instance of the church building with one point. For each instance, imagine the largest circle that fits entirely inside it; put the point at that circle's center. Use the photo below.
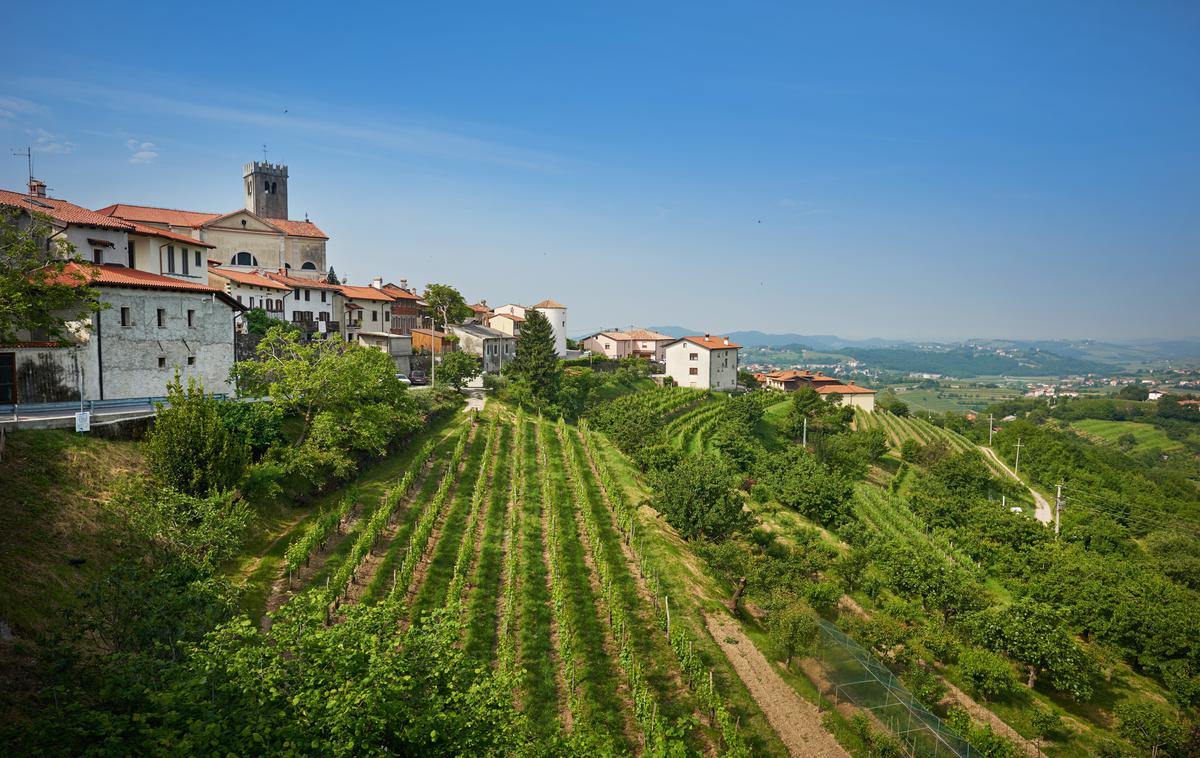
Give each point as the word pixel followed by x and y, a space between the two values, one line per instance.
pixel 258 236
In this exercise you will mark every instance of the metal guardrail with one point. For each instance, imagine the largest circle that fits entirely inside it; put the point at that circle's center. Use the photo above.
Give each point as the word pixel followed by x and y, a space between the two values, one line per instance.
pixel 74 406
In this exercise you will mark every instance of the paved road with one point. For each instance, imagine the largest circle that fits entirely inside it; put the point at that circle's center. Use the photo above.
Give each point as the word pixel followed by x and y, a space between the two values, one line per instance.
pixel 1043 511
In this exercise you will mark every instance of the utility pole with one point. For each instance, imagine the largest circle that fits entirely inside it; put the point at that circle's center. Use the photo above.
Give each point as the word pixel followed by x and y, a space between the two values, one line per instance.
pixel 1058 504
pixel 804 439
pixel 991 428
pixel 1017 462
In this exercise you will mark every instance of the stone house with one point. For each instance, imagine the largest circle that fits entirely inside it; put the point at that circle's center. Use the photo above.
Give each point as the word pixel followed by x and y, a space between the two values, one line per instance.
pixel 637 343
pixel 495 348
pixel 252 290
pixel 315 305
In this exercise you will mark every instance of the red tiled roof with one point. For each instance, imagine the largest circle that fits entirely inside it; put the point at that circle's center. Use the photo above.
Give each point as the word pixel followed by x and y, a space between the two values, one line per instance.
pixel 247 277
pixel 195 219
pixel 296 281
pixel 149 214
pixel 481 308
pixel 550 304
pixel 646 335
pixel 154 231
pixel 79 274
pixel 513 316
pixel 365 293
pixel 298 228
pixel 843 389
pixel 712 343
pixel 398 293
pixel 61 210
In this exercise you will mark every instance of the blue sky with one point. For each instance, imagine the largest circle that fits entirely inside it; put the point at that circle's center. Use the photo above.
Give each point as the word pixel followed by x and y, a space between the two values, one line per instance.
pixel 929 171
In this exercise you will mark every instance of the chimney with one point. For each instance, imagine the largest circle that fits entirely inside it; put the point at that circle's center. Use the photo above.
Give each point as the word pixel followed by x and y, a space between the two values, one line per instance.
pixel 377 282
pixel 37 188
pixel 404 284
pixel 726 340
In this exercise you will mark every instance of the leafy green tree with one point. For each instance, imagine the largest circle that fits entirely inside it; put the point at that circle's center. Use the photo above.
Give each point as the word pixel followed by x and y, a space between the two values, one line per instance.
pixel 988 674
pixel 331 277
pixel 38 293
pixel 1047 725
pixel 259 425
pixel 793 630
pixel 346 397
pixel 1036 636
pixel 458 368
pixel 797 480
pixel 258 322
pixel 1149 727
pixel 806 405
pixel 889 402
pixel 536 366
pixel 446 304
pixel 697 497
pixel 746 378
pixel 190 448
pixel 1133 392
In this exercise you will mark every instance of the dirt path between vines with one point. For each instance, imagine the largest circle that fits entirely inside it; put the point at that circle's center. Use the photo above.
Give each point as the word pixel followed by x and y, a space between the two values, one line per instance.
pixel 956 696
pixel 1042 509
pixel 795 720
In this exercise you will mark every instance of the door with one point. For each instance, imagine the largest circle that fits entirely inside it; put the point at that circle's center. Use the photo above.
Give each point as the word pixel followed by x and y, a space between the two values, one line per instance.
pixel 8 377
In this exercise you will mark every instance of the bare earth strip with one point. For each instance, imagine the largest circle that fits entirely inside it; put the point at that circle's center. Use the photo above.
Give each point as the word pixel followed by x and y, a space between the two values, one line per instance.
pixel 795 720
pixel 979 713
pixel 1043 511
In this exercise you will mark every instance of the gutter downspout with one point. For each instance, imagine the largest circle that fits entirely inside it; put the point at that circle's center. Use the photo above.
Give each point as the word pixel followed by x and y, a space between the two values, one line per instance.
pixel 99 356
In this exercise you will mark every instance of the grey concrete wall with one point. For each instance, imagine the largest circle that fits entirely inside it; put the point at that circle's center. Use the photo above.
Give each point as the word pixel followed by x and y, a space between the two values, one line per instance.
pixel 129 355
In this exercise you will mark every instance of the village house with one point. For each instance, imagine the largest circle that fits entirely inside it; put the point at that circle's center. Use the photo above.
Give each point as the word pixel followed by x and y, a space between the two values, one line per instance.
pixel 555 313
pixel 315 305
pixel 705 362
pixel 495 348
pixel 397 347
pixel 252 290
pixel 636 343
pixel 828 387
pixel 161 313
pixel 509 323
pixel 365 308
pixel 407 306
pixel 481 312
pixel 259 236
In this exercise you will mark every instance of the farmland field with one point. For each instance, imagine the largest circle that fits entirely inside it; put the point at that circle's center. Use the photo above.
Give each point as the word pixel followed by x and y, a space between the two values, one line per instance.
pixel 1149 437
pixel 956 397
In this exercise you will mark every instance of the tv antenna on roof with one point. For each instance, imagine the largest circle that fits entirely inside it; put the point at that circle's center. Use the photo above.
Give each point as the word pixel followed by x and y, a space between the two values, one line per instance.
pixel 264 153
pixel 27 154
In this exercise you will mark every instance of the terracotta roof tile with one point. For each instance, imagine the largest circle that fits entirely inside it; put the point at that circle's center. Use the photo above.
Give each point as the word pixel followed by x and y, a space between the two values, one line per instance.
pixel 844 389
pixel 550 304
pixel 365 293
pixel 247 277
pixel 154 231
pixel 108 275
pixel 149 214
pixel 61 210
pixel 711 342
pixel 297 281
pixel 298 228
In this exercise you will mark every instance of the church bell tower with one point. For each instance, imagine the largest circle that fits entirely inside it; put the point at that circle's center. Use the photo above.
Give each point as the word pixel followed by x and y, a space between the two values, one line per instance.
pixel 266 189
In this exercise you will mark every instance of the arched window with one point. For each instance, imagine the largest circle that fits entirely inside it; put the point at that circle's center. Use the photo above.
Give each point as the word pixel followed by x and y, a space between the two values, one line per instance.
pixel 244 259
pixel 309 266
pixel 274 189
pixel 266 186
pixel 287 265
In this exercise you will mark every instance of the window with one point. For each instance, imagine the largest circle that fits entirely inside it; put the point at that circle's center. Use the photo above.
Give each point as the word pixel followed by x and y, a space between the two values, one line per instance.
pixel 239 297
pixel 374 315
pixel 693 371
pixel 191 317
pixel 309 266
pixel 191 360
pixel 322 296
pixel 162 361
pixel 162 318
pixel 198 263
pixel 297 295
pixel 126 316
pixel 694 356
pixel 97 255
pixel 307 295
pixel 132 256
pixel 244 259
pixel 183 259
pixel 170 259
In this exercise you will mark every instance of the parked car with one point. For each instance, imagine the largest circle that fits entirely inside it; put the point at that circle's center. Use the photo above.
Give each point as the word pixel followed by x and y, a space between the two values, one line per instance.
pixel 419 377
pixel 403 379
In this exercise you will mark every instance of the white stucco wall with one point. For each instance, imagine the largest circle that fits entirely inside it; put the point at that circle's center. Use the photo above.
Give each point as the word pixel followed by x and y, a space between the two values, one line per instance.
pixel 715 369
pixel 558 322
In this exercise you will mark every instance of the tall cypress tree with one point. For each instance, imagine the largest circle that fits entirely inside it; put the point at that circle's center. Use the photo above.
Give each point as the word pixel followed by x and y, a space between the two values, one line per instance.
pixel 536 364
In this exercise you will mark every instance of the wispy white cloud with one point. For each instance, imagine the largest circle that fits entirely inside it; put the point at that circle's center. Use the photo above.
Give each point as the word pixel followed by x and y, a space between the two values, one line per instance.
pixel 12 107
pixel 45 142
pixel 347 129
pixel 143 152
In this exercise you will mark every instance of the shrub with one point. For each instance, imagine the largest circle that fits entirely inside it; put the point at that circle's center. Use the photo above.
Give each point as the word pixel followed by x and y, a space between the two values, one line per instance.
pixel 988 674
pixel 190 448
